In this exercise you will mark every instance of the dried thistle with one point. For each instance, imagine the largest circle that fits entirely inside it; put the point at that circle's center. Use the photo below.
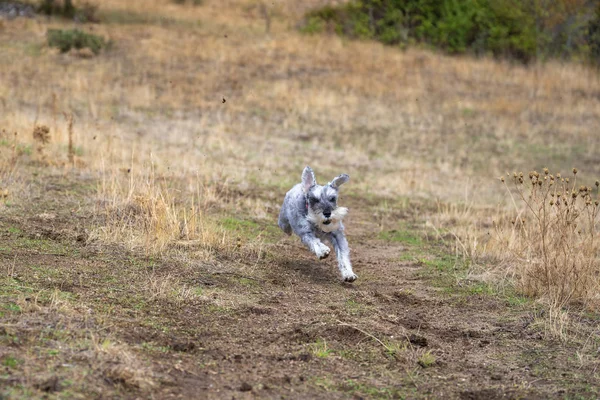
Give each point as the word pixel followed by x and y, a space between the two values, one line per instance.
pixel 41 134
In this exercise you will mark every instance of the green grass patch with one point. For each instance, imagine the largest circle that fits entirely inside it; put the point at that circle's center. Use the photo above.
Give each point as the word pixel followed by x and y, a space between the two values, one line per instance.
pixel 10 362
pixel 12 307
pixel 154 348
pixel 320 349
pixel 43 246
pixel 236 224
pixel 427 360
pixel 249 229
pixel 402 236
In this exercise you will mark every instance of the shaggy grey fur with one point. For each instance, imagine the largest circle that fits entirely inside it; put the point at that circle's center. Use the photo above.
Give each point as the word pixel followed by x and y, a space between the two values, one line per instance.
pixel 311 212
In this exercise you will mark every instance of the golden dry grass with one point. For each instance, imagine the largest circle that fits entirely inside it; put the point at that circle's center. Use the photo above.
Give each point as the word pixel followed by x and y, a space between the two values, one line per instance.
pixel 187 108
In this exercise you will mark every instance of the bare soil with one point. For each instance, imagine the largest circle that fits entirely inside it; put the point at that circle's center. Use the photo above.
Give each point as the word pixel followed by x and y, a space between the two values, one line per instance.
pixel 78 319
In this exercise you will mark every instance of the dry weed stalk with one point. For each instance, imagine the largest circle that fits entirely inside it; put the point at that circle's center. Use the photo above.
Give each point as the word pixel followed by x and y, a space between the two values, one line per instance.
pixel 554 237
pixel 41 136
pixel 71 151
pixel 8 163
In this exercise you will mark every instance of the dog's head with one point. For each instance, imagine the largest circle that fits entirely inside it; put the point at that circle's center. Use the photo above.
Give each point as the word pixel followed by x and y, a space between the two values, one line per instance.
pixel 321 201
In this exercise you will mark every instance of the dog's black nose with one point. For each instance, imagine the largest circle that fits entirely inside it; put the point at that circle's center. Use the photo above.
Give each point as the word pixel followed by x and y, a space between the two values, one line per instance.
pixel 327 214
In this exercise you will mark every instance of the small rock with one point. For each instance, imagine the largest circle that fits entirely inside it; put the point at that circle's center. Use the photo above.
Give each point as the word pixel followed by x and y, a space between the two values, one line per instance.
pixel 246 387
pixel 496 377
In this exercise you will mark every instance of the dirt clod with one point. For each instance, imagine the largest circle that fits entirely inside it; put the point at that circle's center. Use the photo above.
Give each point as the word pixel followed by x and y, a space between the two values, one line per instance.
pixel 49 385
pixel 184 347
pixel 418 340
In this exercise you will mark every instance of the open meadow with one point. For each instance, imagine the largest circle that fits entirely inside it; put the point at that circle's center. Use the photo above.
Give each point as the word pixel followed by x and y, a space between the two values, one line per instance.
pixel 140 255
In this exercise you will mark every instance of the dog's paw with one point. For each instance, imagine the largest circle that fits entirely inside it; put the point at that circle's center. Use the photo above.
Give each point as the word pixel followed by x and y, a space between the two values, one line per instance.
pixel 322 251
pixel 351 277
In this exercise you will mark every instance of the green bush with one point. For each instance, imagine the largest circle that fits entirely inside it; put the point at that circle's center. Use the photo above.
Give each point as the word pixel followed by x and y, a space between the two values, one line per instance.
pixel 52 7
pixel 593 35
pixel 66 40
pixel 85 12
pixel 520 29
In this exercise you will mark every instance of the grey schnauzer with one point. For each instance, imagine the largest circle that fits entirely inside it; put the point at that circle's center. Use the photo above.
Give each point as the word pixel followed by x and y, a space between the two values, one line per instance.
pixel 310 210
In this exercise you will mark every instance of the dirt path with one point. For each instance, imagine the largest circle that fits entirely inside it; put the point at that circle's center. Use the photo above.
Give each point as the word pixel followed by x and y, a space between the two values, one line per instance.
pixel 83 319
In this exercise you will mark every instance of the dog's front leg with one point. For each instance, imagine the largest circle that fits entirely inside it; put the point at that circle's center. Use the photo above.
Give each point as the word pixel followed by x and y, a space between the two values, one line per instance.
pixel 315 245
pixel 340 244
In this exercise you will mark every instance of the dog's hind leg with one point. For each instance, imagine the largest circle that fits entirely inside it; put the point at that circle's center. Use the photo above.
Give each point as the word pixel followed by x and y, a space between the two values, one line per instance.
pixel 342 251
pixel 284 223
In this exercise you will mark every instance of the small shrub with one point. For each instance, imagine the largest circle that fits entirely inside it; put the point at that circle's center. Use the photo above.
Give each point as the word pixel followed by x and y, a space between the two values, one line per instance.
pixel 554 237
pixel 69 39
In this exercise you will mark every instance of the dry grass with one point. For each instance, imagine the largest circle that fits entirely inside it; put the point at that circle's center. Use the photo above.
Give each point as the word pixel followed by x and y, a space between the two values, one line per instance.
pixel 148 120
pixel 552 240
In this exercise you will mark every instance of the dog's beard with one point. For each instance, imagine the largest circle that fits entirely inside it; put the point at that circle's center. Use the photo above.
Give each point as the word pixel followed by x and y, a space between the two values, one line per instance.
pixel 327 224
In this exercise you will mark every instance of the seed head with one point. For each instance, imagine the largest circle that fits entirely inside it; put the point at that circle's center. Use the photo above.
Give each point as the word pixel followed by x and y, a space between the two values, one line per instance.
pixel 546 171
pixel 41 133
pixel 574 171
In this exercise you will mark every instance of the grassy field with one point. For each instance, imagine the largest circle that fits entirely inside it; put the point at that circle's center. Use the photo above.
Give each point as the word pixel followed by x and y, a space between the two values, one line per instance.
pixel 139 251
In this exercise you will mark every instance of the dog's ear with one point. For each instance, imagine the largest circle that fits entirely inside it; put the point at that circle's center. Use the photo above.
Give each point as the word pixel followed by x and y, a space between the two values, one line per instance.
pixel 339 181
pixel 308 179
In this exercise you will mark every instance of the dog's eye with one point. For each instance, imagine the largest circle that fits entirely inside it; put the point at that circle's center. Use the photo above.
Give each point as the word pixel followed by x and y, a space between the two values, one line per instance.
pixel 332 199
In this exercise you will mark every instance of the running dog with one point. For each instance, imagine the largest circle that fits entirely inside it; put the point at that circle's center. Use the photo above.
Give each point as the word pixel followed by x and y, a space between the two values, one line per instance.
pixel 311 212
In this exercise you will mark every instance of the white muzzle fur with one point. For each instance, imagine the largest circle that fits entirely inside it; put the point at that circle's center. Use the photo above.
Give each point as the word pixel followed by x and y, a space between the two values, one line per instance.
pixel 334 221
